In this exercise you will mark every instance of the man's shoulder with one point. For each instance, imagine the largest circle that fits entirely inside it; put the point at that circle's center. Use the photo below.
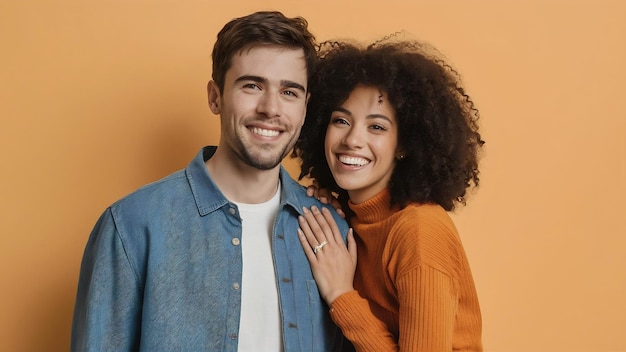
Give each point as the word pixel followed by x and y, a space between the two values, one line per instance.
pixel 296 196
pixel 158 190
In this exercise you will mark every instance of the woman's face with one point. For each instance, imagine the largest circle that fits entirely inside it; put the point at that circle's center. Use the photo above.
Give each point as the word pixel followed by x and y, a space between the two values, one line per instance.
pixel 361 143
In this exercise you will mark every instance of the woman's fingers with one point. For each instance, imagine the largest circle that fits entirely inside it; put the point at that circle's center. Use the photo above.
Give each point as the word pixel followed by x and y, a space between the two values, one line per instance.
pixel 352 246
pixel 335 234
pixel 320 229
pixel 308 251
pixel 311 191
pixel 323 194
pixel 317 225
pixel 308 233
pixel 326 197
pixel 332 262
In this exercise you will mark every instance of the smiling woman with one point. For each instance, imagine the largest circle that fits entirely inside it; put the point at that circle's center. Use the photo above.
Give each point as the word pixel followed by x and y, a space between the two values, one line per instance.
pixel 401 146
pixel 362 143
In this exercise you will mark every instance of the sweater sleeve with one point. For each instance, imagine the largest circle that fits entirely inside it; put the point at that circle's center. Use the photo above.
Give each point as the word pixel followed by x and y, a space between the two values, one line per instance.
pixel 352 314
pixel 428 306
pixel 427 312
pixel 425 293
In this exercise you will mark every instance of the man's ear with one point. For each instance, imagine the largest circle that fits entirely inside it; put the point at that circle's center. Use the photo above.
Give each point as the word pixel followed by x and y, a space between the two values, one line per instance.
pixel 214 97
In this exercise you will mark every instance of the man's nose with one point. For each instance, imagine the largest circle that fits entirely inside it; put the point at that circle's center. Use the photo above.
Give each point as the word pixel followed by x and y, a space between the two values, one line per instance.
pixel 269 104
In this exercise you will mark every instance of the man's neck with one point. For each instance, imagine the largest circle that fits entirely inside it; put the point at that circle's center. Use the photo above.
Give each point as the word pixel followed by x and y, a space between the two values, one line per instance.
pixel 242 183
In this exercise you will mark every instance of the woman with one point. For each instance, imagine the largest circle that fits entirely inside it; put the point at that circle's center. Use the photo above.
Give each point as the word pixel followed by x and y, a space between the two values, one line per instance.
pixel 401 149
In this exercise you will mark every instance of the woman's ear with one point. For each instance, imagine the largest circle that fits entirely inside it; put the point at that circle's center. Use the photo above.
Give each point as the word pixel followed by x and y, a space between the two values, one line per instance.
pixel 214 97
pixel 400 153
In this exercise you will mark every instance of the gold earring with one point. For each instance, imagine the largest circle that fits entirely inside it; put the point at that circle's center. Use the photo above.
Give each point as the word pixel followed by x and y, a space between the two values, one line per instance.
pixel 400 156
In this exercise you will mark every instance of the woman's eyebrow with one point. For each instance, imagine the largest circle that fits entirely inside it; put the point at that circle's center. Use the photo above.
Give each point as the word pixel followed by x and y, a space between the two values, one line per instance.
pixel 369 117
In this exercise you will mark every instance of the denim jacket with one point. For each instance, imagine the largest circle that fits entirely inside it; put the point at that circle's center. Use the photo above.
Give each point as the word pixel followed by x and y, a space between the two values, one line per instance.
pixel 162 267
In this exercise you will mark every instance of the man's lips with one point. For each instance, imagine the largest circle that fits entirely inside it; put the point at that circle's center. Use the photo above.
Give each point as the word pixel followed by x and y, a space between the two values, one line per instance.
pixel 264 132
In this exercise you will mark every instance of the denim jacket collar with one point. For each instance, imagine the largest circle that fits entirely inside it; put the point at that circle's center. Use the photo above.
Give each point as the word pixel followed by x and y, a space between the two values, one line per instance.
pixel 208 196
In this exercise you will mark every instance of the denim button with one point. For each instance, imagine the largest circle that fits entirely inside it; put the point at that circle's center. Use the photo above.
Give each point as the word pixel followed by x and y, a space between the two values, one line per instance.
pixel 235 241
pixel 232 336
pixel 236 286
pixel 232 211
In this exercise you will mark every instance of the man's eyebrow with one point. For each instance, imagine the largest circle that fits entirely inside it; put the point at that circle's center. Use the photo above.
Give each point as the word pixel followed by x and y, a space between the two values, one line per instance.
pixel 259 79
pixel 251 78
pixel 369 117
pixel 292 84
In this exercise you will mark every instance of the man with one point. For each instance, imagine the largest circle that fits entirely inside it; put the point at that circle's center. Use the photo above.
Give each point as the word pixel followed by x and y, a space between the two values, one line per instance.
pixel 208 258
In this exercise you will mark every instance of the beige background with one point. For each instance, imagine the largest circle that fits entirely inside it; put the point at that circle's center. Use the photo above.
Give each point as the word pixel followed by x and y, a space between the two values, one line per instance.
pixel 98 98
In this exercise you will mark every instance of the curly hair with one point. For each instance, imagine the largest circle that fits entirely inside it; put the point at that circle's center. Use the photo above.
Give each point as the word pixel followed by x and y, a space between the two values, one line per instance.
pixel 437 120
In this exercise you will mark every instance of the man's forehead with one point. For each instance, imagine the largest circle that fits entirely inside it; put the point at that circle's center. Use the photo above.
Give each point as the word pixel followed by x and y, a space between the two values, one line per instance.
pixel 270 62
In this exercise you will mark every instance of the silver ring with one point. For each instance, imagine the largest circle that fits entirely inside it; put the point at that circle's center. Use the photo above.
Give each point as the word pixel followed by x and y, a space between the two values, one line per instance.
pixel 319 246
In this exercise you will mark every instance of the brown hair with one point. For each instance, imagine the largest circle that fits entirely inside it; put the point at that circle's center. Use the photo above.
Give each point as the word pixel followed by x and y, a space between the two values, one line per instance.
pixel 259 28
pixel 437 120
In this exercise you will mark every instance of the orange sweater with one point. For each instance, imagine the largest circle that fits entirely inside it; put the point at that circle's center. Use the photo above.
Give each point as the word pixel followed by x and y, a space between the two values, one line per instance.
pixel 414 288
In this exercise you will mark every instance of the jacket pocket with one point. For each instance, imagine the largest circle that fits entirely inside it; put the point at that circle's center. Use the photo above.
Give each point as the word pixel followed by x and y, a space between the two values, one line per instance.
pixel 326 335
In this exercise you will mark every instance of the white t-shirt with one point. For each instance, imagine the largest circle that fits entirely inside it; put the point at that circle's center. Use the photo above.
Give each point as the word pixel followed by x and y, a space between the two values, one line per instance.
pixel 260 327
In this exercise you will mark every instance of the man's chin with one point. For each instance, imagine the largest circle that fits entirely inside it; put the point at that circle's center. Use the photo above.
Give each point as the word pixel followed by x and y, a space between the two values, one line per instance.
pixel 263 163
pixel 264 157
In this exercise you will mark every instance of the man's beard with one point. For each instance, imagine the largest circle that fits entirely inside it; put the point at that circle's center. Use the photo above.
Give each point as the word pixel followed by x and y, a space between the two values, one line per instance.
pixel 263 162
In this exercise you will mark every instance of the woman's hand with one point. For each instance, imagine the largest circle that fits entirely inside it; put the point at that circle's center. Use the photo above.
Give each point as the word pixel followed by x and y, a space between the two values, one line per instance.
pixel 333 264
pixel 326 197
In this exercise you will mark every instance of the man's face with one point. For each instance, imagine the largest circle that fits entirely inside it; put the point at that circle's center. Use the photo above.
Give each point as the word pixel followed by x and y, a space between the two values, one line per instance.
pixel 263 104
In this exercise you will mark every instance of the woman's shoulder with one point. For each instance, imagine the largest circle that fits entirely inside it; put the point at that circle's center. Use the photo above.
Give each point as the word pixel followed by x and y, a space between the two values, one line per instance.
pixel 419 220
pixel 424 234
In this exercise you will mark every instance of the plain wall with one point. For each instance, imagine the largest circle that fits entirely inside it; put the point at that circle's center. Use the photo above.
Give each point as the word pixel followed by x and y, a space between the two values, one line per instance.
pixel 99 98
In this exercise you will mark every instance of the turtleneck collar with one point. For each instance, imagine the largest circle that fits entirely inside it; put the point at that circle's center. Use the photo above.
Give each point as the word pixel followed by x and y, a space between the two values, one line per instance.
pixel 374 209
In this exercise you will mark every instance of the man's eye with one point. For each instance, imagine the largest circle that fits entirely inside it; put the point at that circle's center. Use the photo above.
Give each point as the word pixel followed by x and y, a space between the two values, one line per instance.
pixel 251 86
pixel 291 93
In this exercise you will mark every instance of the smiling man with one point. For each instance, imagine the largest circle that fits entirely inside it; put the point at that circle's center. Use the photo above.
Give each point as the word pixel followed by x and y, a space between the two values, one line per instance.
pixel 208 258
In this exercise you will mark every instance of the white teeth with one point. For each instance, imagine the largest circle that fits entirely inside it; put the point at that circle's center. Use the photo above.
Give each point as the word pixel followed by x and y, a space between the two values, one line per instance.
pixel 350 160
pixel 264 132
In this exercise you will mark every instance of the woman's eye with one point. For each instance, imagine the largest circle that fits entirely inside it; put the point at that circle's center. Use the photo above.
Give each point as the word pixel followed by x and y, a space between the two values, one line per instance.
pixel 339 121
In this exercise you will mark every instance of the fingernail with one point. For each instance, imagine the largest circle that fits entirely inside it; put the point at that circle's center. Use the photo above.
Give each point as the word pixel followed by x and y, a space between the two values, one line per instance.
pixel 305 210
pixel 314 209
